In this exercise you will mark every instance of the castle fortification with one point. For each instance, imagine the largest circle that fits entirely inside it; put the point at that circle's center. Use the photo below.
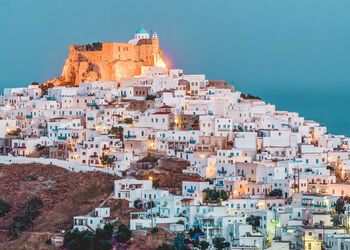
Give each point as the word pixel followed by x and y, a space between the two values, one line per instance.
pixel 110 61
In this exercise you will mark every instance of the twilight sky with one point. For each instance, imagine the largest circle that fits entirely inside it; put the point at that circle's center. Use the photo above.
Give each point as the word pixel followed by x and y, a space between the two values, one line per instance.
pixel 293 53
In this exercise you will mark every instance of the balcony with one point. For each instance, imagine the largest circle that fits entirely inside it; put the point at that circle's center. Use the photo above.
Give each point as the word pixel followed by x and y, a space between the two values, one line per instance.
pixel 92 104
pixel 222 171
pixel 129 136
pixel 62 137
pixel 50 98
pixel 190 190
pixel 219 184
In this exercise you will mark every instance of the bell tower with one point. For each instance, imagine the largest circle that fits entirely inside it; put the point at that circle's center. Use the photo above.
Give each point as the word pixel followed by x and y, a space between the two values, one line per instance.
pixel 157 58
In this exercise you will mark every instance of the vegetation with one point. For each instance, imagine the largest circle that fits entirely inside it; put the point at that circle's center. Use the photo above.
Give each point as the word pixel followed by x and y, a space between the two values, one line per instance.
pixel 150 97
pixel 336 219
pixel 249 96
pixel 151 204
pixel 98 240
pixel 220 243
pixel 4 208
pixel 276 193
pixel 203 245
pixel 128 120
pixel 124 234
pixel 117 131
pixel 15 132
pixel 179 242
pixel 138 204
pixel 154 230
pixel 39 147
pixel 215 196
pixel 22 222
pixel 340 204
pixel 107 160
pixel 254 221
pixel 194 231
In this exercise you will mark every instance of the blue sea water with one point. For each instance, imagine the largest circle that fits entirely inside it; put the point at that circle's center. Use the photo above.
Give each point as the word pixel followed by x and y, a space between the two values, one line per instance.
pixel 295 54
pixel 328 106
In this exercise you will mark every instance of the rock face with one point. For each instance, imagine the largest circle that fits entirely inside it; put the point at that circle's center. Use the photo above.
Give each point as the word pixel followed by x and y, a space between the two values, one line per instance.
pixel 108 61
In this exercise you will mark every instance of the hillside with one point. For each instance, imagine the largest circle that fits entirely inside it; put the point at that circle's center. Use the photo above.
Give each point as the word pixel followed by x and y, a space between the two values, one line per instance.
pixel 64 194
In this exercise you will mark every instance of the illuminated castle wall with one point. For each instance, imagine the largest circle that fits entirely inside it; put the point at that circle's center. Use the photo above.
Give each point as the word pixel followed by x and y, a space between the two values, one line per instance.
pixel 110 61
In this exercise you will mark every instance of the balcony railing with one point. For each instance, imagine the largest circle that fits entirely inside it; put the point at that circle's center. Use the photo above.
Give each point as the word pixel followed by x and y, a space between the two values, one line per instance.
pixel 92 104
pixel 193 141
pixel 222 172
pixel 190 190
pixel 129 136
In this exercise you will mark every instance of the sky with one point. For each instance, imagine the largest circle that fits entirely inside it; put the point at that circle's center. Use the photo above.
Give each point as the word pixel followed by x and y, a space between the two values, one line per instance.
pixel 292 53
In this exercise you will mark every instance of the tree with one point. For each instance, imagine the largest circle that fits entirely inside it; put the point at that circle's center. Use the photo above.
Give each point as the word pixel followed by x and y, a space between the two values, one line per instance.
pixel 138 203
pixel 276 193
pixel 150 97
pixel 22 222
pixel 39 147
pixel 4 208
pixel 254 221
pixel 76 240
pixel 203 245
pixel 249 96
pixel 215 196
pixel 128 120
pixel 107 160
pixel 98 240
pixel 15 132
pixel 117 131
pixel 220 243
pixel 124 234
pixel 336 220
pixel 340 204
pixel 179 242
pixel 103 237
pixel 151 204
pixel 194 231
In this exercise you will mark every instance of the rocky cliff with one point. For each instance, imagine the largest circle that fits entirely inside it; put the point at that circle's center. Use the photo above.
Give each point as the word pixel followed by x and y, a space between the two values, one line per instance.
pixel 107 61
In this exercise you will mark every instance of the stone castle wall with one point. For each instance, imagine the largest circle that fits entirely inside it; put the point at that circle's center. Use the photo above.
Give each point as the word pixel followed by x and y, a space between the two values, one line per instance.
pixel 107 61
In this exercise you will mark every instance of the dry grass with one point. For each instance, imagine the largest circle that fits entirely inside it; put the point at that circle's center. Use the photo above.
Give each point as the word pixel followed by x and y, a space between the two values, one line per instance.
pixel 64 194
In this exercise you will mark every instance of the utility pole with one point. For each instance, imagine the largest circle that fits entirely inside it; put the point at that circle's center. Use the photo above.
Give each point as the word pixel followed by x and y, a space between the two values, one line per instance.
pixel 347 219
pixel 298 180
pixel 296 174
pixel 151 205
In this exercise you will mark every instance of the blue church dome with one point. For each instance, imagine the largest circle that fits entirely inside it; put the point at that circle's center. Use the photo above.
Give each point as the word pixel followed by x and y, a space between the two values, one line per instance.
pixel 142 30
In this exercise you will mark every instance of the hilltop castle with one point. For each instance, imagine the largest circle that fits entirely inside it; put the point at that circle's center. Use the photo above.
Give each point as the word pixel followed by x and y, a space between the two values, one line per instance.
pixel 110 61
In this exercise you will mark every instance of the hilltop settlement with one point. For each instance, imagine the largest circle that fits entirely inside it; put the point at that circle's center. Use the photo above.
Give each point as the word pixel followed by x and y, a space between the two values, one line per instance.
pixel 249 176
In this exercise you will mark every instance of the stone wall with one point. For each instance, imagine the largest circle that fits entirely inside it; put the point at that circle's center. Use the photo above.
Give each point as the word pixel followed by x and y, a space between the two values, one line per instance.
pixel 107 61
